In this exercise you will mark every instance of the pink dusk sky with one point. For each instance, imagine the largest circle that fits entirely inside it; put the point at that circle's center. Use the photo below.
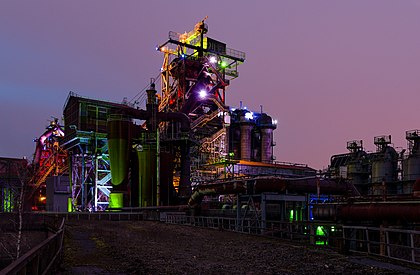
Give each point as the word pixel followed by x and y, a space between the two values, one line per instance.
pixel 328 71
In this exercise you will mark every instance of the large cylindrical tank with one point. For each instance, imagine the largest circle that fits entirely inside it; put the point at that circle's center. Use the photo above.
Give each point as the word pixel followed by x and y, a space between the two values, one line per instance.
pixel 266 125
pixel 246 129
pixel 411 167
pixel 357 169
pixel 146 156
pixel 119 139
pixel 384 166
pixel 246 124
pixel 266 144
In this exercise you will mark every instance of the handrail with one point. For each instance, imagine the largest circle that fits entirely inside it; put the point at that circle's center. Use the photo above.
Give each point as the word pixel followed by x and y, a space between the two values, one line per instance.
pixel 204 118
pixel 397 244
pixel 39 259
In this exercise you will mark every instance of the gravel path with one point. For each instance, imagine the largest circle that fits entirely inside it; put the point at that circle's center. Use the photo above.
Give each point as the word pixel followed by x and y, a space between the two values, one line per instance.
pixel 109 247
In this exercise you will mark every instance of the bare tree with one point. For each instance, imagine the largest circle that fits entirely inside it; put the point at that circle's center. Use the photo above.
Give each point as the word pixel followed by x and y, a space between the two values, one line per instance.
pixel 23 181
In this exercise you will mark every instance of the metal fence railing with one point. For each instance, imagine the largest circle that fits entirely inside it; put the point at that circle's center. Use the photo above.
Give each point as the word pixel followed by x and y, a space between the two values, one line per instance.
pixel 42 258
pixel 102 216
pixel 396 244
pixel 302 231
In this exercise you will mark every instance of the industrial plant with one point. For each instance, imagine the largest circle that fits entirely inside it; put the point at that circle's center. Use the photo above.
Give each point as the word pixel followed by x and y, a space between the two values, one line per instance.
pixel 110 155
pixel 187 151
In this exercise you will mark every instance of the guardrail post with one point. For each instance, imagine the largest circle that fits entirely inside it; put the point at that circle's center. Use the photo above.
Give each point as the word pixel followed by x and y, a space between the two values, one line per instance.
pixel 33 267
pixel 238 212
pixel 345 242
pixel 311 234
pixel 387 243
pixel 367 240
pixel 413 256
pixel 382 240
pixel 263 213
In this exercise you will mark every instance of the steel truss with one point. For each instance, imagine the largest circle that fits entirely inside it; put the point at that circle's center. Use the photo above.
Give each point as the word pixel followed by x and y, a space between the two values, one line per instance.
pixel 90 173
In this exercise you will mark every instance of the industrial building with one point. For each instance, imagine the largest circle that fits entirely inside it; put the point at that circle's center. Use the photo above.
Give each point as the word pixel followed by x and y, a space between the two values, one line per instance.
pixel 111 155
pixel 371 172
pixel 178 153
pixel 186 146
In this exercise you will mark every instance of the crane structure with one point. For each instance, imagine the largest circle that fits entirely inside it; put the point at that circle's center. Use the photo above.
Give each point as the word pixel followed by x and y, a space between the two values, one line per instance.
pixel 195 73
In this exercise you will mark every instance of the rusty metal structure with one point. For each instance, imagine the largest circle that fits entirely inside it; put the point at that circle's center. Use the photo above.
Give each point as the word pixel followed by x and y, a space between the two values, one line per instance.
pixel 186 136
pixel 186 145
pixel 49 160
pixel 195 74
pixel 385 170
pixel 387 182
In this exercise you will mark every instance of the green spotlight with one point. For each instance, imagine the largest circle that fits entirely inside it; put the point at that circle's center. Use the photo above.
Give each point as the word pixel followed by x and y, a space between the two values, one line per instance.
pixel 321 233
pixel 291 215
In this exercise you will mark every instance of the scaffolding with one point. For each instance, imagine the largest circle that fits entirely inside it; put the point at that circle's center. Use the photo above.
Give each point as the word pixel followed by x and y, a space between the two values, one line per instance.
pixel 90 174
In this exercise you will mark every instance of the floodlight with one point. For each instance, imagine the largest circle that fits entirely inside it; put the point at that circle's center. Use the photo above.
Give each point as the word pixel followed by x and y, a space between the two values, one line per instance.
pixel 202 94
pixel 249 115
pixel 212 59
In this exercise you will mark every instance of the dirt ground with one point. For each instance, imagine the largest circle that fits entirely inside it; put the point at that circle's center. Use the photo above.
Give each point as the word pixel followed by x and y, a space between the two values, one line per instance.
pixel 144 247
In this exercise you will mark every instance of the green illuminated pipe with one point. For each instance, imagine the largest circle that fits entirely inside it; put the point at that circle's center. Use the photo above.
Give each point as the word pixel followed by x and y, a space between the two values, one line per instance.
pixel 147 176
pixel 119 135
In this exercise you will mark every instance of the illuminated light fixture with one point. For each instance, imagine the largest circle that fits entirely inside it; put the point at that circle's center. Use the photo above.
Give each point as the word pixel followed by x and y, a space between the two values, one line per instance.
pixel 59 132
pixel 249 115
pixel 274 121
pixel 183 56
pixel 212 59
pixel 157 48
pixel 202 94
pixel 223 64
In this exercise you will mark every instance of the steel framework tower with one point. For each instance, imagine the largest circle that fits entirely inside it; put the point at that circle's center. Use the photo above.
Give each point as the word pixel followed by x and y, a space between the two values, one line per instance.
pixel 49 160
pixel 87 147
pixel 90 172
pixel 195 73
